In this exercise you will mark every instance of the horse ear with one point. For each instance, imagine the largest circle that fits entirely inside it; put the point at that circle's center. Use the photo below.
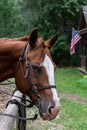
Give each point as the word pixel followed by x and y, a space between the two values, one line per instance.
pixel 50 43
pixel 32 38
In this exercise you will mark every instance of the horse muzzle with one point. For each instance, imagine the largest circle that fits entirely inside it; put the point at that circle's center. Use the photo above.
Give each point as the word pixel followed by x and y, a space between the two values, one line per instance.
pixel 49 112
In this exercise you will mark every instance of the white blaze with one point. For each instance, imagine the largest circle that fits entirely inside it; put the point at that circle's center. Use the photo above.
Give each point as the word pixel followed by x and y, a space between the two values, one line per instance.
pixel 47 63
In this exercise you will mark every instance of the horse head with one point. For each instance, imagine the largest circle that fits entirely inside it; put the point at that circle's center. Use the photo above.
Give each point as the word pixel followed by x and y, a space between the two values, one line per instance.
pixel 35 75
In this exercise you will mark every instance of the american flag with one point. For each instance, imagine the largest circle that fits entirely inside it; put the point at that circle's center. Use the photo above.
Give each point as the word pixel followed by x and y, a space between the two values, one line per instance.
pixel 75 38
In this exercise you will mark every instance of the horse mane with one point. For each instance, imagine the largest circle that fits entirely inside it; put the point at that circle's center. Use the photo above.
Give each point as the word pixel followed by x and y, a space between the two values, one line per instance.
pixel 24 38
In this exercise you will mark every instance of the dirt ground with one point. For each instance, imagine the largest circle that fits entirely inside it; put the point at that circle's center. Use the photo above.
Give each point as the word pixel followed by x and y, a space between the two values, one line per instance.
pixel 4 97
pixel 73 97
pixel 38 124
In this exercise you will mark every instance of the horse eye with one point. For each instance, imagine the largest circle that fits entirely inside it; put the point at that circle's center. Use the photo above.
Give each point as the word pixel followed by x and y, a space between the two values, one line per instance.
pixel 36 67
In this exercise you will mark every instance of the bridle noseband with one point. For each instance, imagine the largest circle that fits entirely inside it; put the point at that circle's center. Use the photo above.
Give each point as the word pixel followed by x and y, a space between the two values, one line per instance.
pixel 35 89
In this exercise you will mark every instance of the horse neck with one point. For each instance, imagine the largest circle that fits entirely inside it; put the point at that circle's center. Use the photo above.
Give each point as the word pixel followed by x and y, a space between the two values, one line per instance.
pixel 10 51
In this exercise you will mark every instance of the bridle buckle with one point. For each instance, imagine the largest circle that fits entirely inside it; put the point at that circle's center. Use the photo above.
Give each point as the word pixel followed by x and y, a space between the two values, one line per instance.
pixel 34 88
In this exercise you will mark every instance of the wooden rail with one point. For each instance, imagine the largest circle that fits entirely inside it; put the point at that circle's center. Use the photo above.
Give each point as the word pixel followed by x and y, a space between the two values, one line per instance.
pixel 7 123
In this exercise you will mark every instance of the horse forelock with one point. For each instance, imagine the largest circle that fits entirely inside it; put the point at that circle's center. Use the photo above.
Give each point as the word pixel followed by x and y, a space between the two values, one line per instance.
pixel 40 42
pixel 37 55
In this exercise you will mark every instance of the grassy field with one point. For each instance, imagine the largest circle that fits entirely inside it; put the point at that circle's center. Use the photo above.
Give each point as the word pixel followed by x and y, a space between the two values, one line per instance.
pixel 73 115
pixel 70 80
pixel 71 83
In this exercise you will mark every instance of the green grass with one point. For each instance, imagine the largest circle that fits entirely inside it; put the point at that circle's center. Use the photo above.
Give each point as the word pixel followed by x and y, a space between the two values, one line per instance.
pixel 70 80
pixel 73 116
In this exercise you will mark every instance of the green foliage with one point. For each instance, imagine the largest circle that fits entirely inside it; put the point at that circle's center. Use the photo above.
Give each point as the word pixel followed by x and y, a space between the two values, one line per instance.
pixel 59 16
pixel 75 60
pixel 19 17
pixel 11 23
pixel 28 14
pixel 61 50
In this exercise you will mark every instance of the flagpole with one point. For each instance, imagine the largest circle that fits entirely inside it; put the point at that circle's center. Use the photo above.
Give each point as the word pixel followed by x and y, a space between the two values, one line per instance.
pixel 82 31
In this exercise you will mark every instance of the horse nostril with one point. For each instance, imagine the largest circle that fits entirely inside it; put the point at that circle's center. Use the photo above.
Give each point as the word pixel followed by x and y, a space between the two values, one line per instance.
pixel 49 109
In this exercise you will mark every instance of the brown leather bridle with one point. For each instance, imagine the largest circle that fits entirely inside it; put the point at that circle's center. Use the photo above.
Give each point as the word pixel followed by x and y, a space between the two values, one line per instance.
pixel 35 89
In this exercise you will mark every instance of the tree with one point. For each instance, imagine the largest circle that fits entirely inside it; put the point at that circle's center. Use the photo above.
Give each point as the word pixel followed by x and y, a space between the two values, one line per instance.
pixel 28 14
pixel 19 17
pixel 9 18
pixel 59 16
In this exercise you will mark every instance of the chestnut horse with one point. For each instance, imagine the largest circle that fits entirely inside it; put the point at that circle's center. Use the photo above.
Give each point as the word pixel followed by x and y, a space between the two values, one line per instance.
pixel 28 60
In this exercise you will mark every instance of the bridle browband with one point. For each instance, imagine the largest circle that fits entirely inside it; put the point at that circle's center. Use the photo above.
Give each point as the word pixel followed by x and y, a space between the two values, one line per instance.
pixel 32 85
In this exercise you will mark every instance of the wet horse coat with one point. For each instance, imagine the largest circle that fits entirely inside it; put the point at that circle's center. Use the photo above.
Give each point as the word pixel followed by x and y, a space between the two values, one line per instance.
pixel 41 69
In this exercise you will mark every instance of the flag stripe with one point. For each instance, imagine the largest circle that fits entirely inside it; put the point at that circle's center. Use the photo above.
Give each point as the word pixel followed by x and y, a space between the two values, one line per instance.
pixel 73 42
pixel 72 51
pixel 75 38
